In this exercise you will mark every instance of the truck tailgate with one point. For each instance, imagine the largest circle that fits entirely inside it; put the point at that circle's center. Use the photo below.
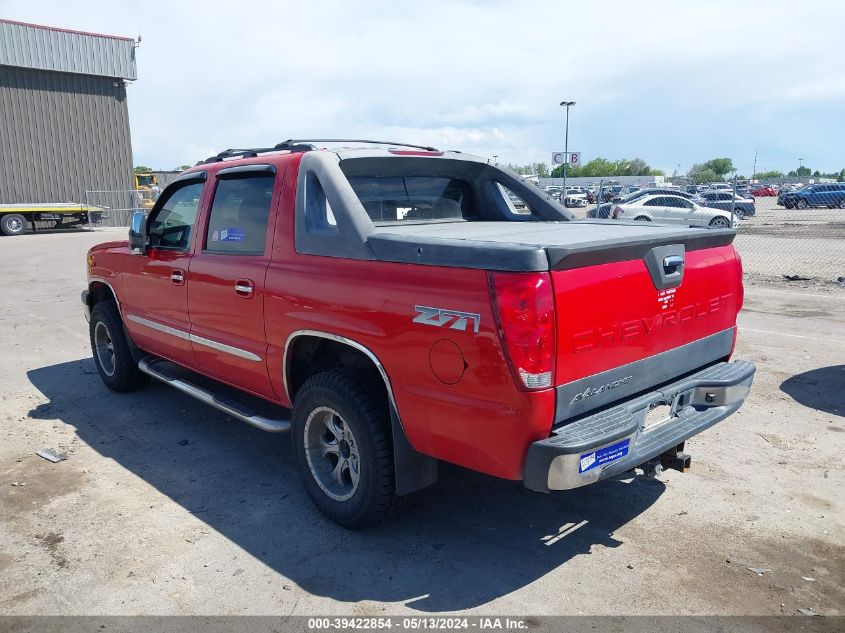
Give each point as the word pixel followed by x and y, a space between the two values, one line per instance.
pixel 618 332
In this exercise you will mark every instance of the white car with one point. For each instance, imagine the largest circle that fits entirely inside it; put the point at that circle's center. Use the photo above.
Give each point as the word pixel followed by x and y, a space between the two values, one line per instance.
pixel 672 210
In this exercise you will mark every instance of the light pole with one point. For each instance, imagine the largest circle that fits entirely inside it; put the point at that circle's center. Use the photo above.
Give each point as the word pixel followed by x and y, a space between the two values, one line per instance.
pixel 566 147
pixel 800 165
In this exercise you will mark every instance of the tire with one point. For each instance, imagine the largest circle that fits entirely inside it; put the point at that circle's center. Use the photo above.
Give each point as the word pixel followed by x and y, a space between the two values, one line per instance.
pixel 13 224
pixel 642 218
pixel 110 350
pixel 841 204
pixel 801 204
pixel 343 416
pixel 720 223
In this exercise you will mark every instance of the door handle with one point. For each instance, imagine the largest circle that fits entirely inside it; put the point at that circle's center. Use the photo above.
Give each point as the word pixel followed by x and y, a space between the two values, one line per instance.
pixel 177 277
pixel 672 264
pixel 244 288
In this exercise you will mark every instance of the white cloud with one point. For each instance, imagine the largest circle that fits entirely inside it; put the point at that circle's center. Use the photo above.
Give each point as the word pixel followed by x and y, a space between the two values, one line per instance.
pixel 477 76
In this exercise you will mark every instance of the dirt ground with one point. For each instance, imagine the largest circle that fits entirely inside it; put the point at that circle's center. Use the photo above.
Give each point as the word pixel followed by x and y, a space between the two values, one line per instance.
pixel 165 506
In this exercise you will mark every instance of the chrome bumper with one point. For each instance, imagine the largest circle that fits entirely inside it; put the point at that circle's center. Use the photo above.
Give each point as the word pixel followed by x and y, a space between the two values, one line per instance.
pixel 618 439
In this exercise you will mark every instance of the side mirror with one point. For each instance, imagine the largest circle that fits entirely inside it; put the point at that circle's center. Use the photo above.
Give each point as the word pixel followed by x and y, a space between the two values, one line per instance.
pixel 138 233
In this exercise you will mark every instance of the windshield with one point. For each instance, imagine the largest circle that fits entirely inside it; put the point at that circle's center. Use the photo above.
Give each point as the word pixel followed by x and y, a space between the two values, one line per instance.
pixel 145 181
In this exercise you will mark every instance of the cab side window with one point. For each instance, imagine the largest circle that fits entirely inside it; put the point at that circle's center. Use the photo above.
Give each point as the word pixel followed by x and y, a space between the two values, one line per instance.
pixel 239 214
pixel 170 226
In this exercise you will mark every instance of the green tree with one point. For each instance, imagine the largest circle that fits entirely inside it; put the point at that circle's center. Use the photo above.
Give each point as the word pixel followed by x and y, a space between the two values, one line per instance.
pixel 182 168
pixel 801 172
pixel 604 168
pixel 143 169
pixel 720 166
pixel 772 173
pixel 699 173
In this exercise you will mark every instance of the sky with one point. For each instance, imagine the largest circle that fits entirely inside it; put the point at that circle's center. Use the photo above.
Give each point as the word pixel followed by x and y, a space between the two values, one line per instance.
pixel 674 83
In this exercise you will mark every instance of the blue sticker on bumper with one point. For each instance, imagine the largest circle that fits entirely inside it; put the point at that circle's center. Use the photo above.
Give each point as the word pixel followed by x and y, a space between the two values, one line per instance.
pixel 604 455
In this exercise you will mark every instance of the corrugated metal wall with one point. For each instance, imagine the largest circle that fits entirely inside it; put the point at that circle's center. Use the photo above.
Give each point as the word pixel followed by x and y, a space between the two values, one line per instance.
pixel 45 48
pixel 60 135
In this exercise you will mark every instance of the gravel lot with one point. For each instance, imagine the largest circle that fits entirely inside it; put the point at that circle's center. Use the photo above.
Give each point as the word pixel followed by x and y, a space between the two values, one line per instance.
pixel 167 507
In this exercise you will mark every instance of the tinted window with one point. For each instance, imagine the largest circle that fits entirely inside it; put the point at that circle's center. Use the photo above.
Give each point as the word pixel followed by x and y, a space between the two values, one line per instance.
pixel 655 202
pixel 674 201
pixel 414 198
pixel 170 226
pixel 238 219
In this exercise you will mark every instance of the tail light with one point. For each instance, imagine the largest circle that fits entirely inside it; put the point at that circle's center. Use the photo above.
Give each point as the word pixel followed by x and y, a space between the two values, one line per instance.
pixel 525 313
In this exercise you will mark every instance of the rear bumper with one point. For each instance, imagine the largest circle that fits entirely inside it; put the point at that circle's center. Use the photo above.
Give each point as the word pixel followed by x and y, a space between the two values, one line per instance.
pixel 617 439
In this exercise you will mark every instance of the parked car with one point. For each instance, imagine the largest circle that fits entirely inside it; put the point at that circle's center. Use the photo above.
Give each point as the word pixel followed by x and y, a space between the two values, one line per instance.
pixel 603 211
pixel 822 195
pixel 392 311
pixel 671 209
pixel 763 191
pixel 745 207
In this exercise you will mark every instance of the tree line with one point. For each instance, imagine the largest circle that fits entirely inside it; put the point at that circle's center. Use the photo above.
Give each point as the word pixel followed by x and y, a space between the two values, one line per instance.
pixel 713 170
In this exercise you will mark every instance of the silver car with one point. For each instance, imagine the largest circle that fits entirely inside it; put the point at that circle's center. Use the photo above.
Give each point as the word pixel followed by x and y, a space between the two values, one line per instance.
pixel 672 210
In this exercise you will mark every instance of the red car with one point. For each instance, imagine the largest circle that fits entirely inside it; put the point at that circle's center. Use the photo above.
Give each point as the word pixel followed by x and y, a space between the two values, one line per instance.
pixel 763 191
pixel 392 308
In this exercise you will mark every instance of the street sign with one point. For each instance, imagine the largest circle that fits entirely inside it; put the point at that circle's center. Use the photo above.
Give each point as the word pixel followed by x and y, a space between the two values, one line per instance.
pixel 559 158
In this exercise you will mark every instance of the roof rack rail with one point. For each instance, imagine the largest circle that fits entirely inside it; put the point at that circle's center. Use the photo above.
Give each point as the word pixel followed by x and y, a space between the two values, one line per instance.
pixel 292 143
pixel 238 153
pixel 300 145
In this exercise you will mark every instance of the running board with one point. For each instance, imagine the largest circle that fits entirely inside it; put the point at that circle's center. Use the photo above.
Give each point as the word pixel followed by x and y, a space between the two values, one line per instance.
pixel 230 407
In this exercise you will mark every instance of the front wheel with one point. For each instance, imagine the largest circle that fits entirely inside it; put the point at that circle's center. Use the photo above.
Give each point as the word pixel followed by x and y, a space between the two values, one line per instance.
pixel 720 223
pixel 801 204
pixel 13 224
pixel 110 349
pixel 343 447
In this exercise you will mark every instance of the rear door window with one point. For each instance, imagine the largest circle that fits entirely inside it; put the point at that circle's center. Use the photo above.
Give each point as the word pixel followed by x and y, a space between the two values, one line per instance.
pixel 239 214
pixel 414 198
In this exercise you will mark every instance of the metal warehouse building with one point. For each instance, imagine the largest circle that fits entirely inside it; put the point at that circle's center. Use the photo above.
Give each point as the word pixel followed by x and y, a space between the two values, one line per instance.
pixel 64 121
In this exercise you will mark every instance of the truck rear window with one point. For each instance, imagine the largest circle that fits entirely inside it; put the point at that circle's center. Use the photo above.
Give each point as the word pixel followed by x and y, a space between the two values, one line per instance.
pixel 414 198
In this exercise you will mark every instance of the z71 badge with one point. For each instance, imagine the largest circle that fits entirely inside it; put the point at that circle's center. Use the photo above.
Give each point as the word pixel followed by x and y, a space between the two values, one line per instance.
pixel 441 317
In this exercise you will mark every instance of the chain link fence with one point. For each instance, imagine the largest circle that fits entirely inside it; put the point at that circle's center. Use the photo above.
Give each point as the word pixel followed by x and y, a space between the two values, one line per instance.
pixel 794 232
pixel 112 209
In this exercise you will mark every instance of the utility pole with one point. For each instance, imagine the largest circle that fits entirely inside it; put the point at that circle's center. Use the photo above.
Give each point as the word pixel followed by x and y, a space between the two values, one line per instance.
pixel 566 147
pixel 754 170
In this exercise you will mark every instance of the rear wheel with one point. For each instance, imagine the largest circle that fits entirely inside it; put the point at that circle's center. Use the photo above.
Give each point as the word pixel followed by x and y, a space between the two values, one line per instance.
pixel 801 204
pixel 13 224
pixel 111 352
pixel 343 447
pixel 642 218
pixel 719 223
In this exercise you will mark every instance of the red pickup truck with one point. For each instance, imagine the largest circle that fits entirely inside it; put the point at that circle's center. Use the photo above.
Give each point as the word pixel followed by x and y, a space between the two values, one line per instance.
pixel 392 306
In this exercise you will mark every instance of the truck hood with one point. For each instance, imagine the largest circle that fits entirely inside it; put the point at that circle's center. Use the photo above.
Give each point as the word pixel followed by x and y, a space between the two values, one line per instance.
pixel 533 246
